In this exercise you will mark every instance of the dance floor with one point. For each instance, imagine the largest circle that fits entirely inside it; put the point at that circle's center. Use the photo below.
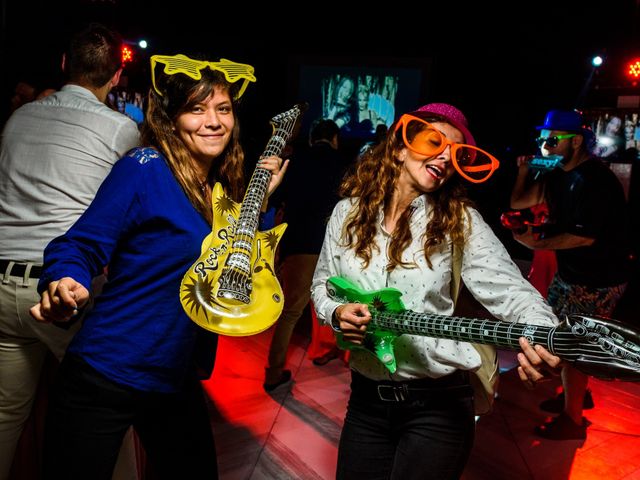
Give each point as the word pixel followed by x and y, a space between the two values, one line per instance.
pixel 293 432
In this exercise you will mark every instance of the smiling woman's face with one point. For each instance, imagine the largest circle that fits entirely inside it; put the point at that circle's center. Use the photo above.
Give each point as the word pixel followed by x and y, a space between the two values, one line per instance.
pixel 424 174
pixel 206 128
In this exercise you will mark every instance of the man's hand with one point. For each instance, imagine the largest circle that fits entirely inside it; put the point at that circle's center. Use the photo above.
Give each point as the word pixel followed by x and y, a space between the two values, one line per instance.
pixel 523 161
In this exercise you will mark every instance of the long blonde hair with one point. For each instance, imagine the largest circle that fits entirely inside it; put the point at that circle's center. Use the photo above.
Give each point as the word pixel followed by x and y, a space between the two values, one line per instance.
pixel 373 183
pixel 180 93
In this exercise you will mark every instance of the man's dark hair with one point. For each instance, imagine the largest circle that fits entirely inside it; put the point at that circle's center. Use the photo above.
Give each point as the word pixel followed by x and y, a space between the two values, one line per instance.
pixel 94 56
pixel 323 129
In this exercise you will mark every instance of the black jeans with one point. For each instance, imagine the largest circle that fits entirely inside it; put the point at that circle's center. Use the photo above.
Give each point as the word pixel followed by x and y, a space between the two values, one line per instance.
pixel 428 435
pixel 88 416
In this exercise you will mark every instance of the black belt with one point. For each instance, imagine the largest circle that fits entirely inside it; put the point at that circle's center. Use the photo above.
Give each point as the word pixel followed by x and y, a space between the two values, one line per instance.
pixel 18 269
pixel 421 389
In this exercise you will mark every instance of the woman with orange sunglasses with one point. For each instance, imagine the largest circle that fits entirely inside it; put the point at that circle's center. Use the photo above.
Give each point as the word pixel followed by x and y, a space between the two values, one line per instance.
pixel 403 213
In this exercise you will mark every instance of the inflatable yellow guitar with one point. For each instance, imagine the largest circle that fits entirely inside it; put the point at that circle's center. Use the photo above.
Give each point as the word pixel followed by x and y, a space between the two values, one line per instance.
pixel 232 289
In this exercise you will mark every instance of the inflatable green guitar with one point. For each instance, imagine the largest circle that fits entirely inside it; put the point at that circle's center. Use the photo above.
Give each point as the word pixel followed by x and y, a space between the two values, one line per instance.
pixel 602 348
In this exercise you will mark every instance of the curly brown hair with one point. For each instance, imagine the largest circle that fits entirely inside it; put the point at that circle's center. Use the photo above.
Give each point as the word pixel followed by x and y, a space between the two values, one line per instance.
pixel 373 182
pixel 180 94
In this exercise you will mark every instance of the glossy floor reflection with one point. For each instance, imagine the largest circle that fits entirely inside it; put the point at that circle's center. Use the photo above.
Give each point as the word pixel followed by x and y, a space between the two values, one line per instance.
pixel 292 433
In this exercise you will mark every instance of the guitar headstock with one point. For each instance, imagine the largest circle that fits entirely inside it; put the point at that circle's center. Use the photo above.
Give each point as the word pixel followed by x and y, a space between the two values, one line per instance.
pixel 288 123
pixel 613 348
pixel 292 114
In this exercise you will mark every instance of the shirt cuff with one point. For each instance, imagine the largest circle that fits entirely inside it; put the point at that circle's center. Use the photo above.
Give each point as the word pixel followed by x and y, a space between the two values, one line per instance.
pixel 335 323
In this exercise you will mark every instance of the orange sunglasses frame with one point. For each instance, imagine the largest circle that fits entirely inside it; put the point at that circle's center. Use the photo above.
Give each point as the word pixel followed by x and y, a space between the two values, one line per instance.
pixel 404 121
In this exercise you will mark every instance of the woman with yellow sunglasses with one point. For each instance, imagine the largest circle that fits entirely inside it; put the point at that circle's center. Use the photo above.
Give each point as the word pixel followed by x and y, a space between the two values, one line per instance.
pixel 404 210
pixel 137 360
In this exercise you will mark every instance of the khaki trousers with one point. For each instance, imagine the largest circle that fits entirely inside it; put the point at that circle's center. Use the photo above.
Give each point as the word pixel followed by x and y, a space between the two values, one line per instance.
pixel 24 343
pixel 296 273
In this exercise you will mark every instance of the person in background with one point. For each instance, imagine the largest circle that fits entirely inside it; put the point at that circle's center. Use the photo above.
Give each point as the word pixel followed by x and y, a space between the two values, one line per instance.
pixel 611 141
pixel 24 92
pixel 587 229
pixel 309 195
pixel 340 108
pixel 378 137
pixel 630 125
pixel 138 358
pixel 55 153
pixel 404 210
pixel 383 102
pixel 29 86
pixel 45 93
pixel 364 123
pixel 543 265
pixel 133 108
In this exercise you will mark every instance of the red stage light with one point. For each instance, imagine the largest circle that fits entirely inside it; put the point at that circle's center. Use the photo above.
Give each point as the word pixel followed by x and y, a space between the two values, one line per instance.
pixel 633 69
pixel 127 54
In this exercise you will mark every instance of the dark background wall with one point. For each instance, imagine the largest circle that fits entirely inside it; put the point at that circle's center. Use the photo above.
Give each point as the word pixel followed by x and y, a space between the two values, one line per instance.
pixel 503 65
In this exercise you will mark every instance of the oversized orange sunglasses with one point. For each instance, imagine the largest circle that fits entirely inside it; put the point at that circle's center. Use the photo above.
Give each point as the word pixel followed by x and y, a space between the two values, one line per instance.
pixel 473 163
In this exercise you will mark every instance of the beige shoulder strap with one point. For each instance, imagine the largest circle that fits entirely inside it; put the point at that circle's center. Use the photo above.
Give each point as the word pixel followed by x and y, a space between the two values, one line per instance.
pixel 456 271
pixel 485 380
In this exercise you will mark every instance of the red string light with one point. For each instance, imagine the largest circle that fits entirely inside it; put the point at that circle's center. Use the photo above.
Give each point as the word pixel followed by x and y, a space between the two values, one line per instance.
pixel 127 54
pixel 633 69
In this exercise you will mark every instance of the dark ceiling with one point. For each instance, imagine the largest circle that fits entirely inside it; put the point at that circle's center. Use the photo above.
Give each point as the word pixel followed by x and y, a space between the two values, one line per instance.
pixel 504 65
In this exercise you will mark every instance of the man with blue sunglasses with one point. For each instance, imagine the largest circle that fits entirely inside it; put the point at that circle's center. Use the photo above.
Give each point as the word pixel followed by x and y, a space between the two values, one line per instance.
pixel 587 229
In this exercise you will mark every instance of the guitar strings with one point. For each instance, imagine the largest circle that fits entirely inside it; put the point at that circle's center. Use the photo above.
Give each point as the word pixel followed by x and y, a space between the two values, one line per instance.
pixel 506 334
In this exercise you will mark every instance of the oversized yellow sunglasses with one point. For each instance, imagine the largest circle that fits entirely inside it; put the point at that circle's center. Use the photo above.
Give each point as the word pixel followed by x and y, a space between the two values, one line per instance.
pixel 473 163
pixel 173 64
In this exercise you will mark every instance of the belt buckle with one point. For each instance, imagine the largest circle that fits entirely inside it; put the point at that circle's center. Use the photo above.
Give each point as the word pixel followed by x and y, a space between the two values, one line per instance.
pixel 393 393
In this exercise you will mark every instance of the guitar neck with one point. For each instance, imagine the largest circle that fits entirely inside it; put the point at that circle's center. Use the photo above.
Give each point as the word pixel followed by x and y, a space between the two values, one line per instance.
pixel 235 280
pixel 257 188
pixel 489 332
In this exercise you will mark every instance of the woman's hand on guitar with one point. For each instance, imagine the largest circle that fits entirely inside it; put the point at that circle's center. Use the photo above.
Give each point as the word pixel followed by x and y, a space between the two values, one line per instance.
pixel 353 318
pixel 277 167
pixel 536 363
pixel 60 301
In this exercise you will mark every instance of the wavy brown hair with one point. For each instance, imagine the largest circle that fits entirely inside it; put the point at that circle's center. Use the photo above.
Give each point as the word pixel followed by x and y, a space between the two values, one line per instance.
pixel 179 94
pixel 373 183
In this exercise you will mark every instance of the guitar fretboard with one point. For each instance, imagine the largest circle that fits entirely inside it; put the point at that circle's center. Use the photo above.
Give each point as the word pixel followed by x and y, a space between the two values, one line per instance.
pixel 490 332
pixel 257 189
